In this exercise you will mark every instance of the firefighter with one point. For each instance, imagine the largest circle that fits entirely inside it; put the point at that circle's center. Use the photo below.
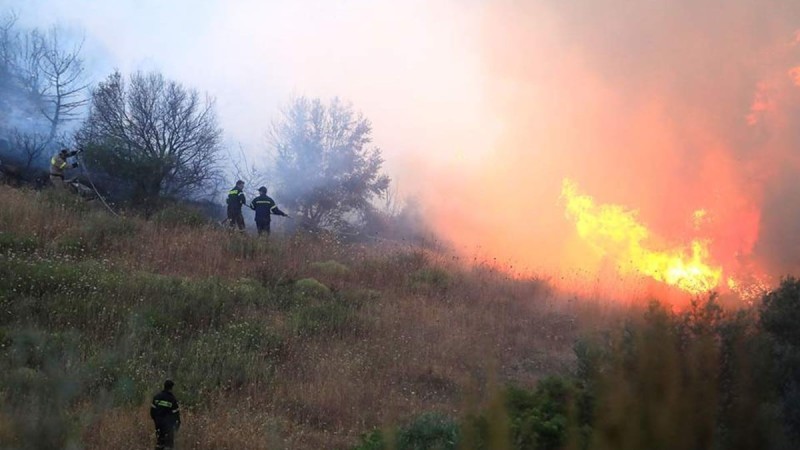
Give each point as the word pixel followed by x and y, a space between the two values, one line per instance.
pixel 235 201
pixel 58 163
pixel 166 416
pixel 265 206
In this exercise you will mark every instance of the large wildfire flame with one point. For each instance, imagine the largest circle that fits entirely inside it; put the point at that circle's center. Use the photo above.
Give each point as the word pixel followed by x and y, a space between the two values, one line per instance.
pixel 698 109
pixel 615 232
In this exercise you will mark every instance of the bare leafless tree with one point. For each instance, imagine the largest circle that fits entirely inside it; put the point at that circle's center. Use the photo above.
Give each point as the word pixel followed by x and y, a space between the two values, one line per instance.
pixel 47 67
pixel 30 48
pixel 152 133
pixel 245 170
pixel 62 86
pixel 30 146
pixel 7 42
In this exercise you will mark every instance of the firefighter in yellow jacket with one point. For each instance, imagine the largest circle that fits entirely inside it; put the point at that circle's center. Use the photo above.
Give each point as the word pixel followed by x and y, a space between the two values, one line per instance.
pixel 58 164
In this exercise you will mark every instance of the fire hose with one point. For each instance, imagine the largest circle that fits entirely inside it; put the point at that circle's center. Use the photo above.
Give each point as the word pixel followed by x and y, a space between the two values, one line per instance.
pixel 85 172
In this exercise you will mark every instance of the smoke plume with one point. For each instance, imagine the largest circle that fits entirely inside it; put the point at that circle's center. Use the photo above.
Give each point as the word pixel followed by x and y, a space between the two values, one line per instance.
pixel 682 113
pixel 666 108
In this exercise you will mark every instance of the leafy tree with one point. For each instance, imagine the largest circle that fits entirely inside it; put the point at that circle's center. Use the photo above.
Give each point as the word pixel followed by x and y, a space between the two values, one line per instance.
pixel 152 134
pixel 326 167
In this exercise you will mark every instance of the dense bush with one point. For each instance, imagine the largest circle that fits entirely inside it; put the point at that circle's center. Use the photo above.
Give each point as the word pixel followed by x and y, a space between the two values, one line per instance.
pixel 331 268
pixel 114 335
pixel 178 215
pixel 539 418
pixel 40 379
pixel 238 354
pixel 97 232
pixel 333 318
pixel 13 243
pixel 429 431
pixel 698 379
pixel 429 280
pixel 780 318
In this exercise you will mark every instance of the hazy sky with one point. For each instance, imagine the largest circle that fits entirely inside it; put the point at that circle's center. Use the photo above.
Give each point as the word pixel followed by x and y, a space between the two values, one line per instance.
pixel 483 108
pixel 410 66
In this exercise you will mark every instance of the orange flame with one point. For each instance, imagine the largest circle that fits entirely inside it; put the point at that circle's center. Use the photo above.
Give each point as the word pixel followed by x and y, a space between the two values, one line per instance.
pixel 615 232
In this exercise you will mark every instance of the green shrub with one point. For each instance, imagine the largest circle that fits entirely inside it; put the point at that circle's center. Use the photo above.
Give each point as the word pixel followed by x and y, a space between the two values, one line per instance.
pixel 183 306
pixel 359 296
pixel 70 245
pixel 22 244
pixel 250 291
pixel 374 440
pixel 539 418
pixel 240 354
pixel 100 229
pixel 430 431
pixel 311 288
pixel 331 268
pixel 697 379
pixel 97 232
pixel 429 279
pixel 41 380
pixel 50 278
pixel 63 200
pixel 331 318
pixel 179 215
pixel 408 262
pixel 242 246
pixel 97 299
pixel 780 318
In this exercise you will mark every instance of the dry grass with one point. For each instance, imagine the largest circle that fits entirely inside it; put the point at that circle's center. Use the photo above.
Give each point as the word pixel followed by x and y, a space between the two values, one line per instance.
pixel 431 335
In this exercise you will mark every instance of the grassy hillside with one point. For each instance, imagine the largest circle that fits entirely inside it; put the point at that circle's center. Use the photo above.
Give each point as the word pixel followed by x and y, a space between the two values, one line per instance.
pixel 292 342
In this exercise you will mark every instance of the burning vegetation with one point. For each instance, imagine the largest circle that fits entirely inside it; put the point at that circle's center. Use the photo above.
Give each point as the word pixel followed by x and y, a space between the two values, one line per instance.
pixel 616 234
pixel 592 249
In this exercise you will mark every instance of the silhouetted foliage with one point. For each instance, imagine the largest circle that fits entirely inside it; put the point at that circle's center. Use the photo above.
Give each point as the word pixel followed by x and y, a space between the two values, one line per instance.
pixel 152 134
pixel 703 378
pixel 780 318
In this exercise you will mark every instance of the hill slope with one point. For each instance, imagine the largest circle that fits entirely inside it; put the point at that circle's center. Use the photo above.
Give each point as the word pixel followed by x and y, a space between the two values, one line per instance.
pixel 297 341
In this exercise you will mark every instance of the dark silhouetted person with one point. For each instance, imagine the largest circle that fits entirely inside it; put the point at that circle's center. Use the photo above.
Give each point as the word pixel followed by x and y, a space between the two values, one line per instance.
pixel 265 206
pixel 166 416
pixel 58 164
pixel 235 201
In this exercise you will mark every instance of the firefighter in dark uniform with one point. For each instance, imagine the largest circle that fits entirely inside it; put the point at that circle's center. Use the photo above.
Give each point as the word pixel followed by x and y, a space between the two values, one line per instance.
pixel 167 417
pixel 235 201
pixel 265 206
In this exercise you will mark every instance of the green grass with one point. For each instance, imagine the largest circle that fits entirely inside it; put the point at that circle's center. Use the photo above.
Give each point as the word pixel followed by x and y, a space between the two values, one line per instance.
pixel 149 325
pixel 316 341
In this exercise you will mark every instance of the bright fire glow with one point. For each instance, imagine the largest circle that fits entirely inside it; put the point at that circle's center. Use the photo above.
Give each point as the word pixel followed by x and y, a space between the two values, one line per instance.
pixel 615 232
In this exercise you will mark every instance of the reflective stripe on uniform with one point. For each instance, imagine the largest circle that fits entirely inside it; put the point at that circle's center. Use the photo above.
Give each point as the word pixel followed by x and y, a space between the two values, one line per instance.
pixel 53 162
pixel 162 403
